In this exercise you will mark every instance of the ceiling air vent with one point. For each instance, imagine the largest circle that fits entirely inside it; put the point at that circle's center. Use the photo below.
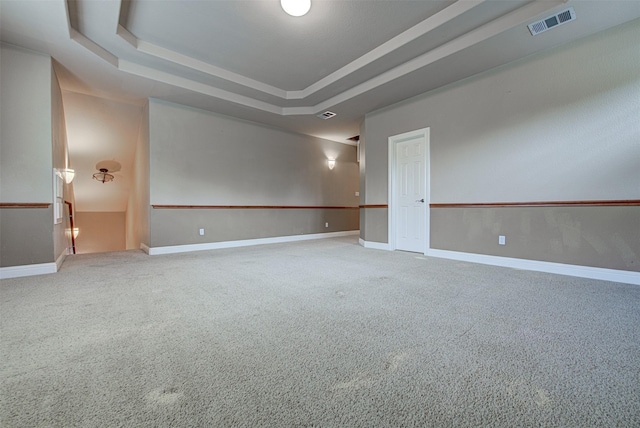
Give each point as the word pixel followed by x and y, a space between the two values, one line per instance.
pixel 552 21
pixel 326 115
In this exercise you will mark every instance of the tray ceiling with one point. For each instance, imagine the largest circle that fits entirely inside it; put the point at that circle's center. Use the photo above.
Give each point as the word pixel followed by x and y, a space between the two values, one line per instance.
pixel 250 60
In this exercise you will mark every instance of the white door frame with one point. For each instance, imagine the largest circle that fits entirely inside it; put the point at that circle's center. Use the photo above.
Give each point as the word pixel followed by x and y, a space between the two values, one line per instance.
pixel 393 204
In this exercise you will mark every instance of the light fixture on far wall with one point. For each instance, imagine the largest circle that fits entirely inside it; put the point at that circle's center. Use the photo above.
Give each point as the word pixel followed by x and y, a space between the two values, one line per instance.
pixel 67 175
pixel 103 176
pixel 296 7
pixel 331 163
pixel 76 232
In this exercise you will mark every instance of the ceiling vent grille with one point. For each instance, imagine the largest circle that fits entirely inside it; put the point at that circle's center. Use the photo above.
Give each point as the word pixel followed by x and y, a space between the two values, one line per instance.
pixel 552 21
pixel 326 115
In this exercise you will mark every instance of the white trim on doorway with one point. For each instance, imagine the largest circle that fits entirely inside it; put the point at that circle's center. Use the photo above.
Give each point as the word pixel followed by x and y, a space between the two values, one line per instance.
pixel 392 142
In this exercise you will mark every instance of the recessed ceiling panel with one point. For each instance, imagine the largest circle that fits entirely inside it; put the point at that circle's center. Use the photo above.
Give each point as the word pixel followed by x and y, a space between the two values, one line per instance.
pixel 257 39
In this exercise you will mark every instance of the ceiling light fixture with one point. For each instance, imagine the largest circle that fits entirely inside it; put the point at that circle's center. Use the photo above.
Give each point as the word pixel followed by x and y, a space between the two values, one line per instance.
pixel 103 176
pixel 296 7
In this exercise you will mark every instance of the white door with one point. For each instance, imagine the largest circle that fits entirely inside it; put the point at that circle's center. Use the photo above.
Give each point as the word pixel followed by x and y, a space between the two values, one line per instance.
pixel 410 194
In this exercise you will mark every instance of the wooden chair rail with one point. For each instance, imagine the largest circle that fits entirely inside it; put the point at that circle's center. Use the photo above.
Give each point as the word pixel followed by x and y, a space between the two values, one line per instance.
pixel 618 202
pixel 24 205
pixel 251 207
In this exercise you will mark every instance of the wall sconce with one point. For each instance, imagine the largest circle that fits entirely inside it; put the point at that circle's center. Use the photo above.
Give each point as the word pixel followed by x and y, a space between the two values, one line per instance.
pixel 331 163
pixel 67 175
pixel 76 232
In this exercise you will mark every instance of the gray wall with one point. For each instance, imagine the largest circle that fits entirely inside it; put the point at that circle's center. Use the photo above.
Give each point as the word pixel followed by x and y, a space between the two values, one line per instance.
pixel 25 236
pixel 26 156
pixel 557 126
pixel 237 224
pixel 604 237
pixel 200 158
pixel 25 132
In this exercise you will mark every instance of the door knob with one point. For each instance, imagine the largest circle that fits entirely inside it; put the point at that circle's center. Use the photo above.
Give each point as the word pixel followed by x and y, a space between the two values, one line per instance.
pixel 420 200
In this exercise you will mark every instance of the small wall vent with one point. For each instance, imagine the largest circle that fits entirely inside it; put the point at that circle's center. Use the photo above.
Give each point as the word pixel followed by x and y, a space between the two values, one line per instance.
pixel 552 21
pixel 326 115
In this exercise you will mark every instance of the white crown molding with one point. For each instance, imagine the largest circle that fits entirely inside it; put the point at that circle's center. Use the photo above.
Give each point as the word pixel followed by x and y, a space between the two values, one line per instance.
pixel 467 40
pixel 192 85
pixel 93 47
pixel 438 19
pixel 195 64
pixel 454 10
pixel 484 32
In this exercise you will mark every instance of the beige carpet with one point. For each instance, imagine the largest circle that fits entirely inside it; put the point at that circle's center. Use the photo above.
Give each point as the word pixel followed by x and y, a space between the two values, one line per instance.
pixel 318 333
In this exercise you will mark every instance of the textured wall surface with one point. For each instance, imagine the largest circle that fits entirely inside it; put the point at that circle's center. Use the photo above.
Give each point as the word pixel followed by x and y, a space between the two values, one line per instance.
pixel 26 157
pixel 557 126
pixel 199 158
pixel 25 131
pixel 100 231
pixel 138 204
pixel 231 225
pixel 606 237
pixel 560 125
pixel 25 236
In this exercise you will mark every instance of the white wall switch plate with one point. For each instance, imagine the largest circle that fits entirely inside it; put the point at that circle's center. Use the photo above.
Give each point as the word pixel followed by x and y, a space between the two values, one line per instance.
pixel 201 232
pixel 326 225
pixel 357 193
pixel 502 240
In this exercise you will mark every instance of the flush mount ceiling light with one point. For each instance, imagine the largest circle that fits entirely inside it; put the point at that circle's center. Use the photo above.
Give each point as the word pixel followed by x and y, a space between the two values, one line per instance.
pixel 296 7
pixel 103 176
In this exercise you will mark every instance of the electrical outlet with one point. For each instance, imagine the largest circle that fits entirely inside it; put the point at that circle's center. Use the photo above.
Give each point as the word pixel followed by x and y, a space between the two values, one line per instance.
pixel 201 232
pixel 326 224
pixel 502 240
pixel 357 193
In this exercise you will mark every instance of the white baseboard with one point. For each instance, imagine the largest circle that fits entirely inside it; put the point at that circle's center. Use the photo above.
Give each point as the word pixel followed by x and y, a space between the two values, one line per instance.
pixel 144 247
pixel 27 270
pixel 153 251
pixel 615 275
pixel 374 245
pixel 35 269
pixel 60 259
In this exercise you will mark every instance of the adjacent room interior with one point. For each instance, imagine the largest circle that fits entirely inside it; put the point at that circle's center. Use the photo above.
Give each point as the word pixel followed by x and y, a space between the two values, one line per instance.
pixel 371 160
